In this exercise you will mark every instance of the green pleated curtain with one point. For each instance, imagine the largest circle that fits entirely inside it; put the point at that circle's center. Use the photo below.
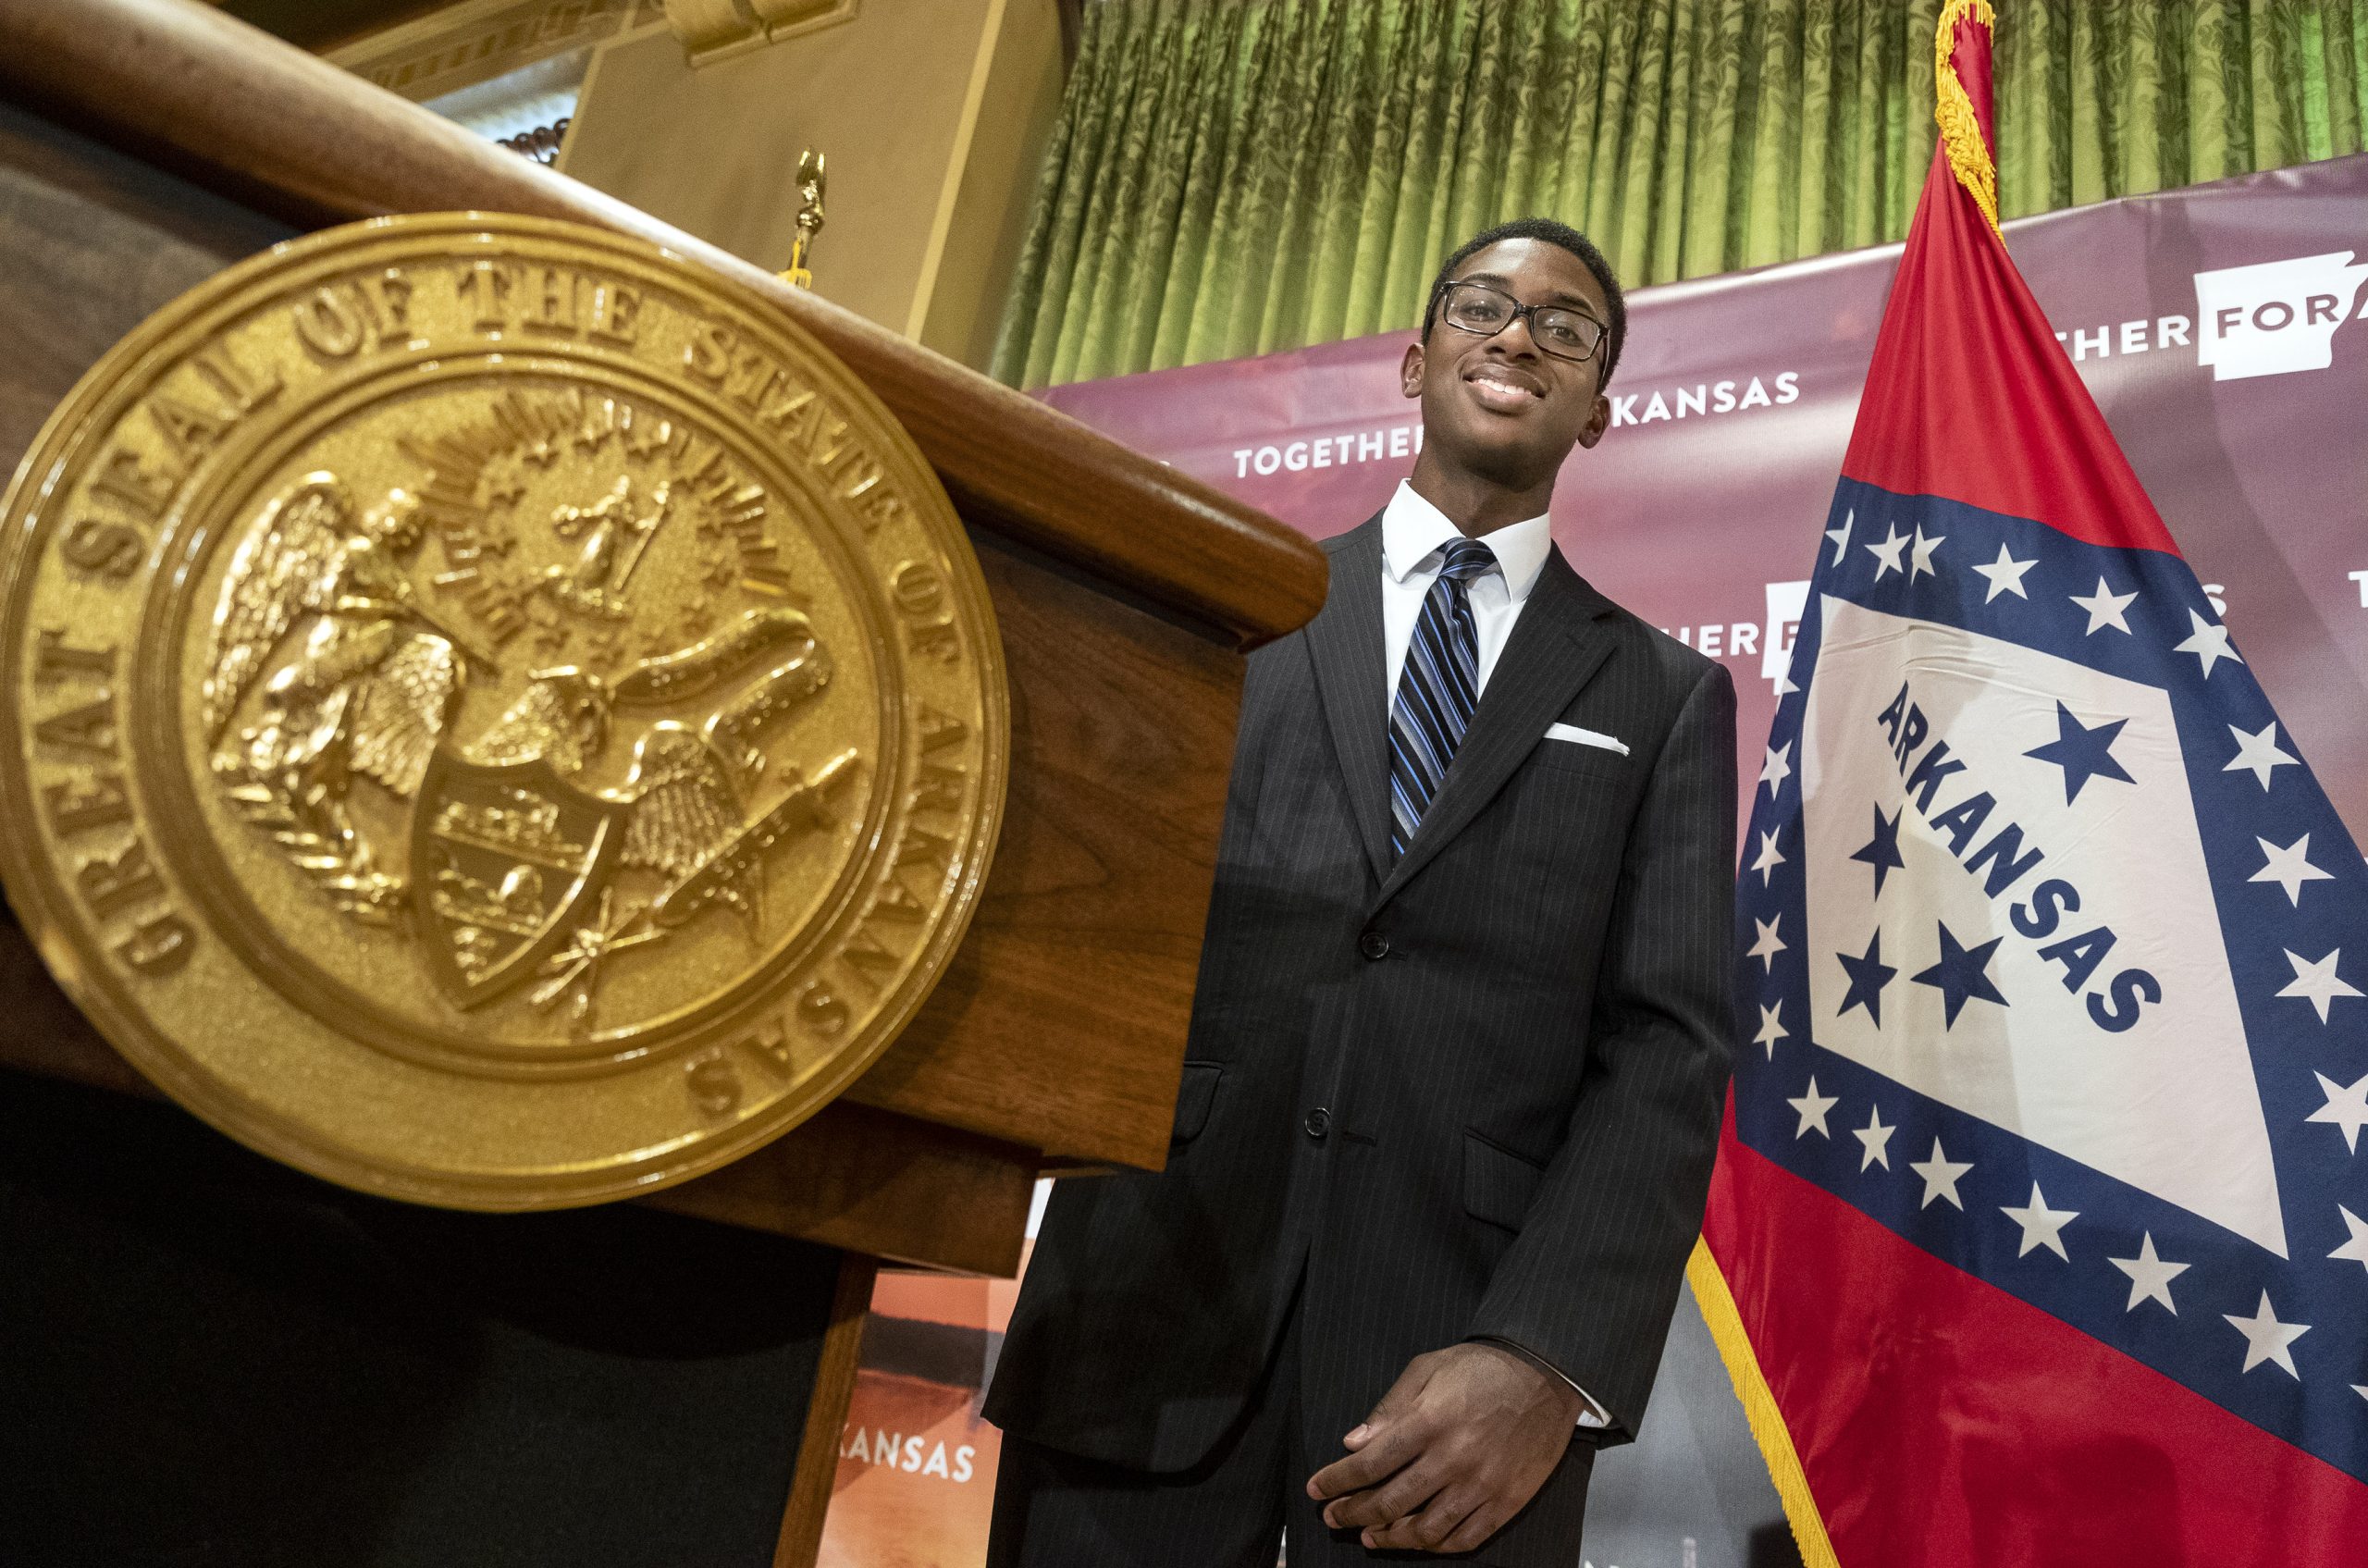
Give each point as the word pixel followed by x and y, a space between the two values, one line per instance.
pixel 1236 177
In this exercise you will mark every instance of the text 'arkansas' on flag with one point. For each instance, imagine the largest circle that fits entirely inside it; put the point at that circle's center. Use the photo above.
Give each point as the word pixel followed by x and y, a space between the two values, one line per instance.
pixel 2040 1229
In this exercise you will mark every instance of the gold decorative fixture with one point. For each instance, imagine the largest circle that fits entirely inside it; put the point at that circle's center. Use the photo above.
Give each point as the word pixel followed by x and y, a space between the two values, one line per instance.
pixel 712 29
pixel 541 143
pixel 811 181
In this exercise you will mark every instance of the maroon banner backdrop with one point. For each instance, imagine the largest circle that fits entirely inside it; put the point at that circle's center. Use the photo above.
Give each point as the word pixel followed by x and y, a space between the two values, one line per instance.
pixel 2215 327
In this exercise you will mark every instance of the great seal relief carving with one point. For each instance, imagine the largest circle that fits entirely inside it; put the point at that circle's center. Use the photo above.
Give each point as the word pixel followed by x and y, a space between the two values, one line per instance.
pixel 498 717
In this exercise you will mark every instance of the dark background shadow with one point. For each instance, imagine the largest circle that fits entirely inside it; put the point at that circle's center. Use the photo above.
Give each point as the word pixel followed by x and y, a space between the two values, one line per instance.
pixel 208 1359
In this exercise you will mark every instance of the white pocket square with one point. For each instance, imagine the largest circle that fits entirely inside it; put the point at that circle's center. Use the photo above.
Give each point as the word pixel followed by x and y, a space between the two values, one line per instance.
pixel 1578 737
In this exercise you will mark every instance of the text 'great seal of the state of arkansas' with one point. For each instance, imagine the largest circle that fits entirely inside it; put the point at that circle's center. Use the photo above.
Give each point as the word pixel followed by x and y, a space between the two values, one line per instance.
pixel 497 716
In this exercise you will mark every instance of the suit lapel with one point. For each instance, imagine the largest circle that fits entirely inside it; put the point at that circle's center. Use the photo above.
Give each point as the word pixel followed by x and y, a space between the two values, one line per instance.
pixel 1556 647
pixel 1345 642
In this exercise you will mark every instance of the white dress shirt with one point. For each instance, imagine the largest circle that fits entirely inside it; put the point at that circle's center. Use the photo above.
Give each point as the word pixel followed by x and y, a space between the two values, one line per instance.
pixel 1414 536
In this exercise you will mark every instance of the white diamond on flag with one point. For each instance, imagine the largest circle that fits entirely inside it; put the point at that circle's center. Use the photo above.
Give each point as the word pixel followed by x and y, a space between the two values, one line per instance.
pixel 1984 825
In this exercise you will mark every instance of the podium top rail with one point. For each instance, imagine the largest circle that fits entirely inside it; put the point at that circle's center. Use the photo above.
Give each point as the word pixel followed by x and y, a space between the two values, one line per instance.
pixel 239 112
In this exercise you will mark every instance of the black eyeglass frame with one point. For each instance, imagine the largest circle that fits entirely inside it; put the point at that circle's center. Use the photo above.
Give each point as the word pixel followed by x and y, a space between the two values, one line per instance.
pixel 1527 314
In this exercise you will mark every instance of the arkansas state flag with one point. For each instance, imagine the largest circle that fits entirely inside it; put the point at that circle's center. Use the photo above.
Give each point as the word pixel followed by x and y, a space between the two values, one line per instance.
pixel 2040 1234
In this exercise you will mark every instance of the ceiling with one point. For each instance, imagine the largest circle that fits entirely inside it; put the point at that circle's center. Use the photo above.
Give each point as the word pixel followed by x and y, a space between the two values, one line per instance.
pixel 318 24
pixel 323 24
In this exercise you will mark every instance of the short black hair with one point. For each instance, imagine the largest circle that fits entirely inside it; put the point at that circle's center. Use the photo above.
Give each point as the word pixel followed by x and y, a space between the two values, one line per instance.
pixel 1553 233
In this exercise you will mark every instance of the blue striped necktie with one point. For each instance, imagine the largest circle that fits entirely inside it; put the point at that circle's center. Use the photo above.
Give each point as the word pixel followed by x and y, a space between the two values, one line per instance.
pixel 1437 691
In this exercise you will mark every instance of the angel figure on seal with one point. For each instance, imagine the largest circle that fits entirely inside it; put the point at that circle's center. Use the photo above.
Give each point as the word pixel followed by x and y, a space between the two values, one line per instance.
pixel 370 688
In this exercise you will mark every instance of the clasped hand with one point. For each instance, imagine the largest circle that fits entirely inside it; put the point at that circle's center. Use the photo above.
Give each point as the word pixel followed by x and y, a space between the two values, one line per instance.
pixel 1459 1445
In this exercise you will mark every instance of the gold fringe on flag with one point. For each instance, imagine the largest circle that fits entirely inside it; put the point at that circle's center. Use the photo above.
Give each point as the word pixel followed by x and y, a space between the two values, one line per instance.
pixel 1717 1304
pixel 1952 108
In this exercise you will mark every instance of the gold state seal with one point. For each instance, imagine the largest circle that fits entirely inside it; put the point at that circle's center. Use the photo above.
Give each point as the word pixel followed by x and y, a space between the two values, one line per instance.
pixel 498 717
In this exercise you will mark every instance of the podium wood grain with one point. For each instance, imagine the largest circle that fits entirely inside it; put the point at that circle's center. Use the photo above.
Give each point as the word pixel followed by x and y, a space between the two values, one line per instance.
pixel 1090 930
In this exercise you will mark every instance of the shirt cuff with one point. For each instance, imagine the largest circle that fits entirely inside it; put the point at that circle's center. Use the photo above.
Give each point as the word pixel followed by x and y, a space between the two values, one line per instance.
pixel 1592 1417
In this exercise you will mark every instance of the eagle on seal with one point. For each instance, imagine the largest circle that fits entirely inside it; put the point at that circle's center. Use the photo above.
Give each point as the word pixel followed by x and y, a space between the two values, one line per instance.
pixel 687 787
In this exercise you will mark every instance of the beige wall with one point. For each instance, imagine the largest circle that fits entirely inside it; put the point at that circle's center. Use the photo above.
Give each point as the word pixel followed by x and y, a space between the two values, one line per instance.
pixel 933 114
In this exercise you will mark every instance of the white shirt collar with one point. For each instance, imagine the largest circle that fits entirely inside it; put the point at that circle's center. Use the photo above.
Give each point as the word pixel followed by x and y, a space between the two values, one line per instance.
pixel 1413 531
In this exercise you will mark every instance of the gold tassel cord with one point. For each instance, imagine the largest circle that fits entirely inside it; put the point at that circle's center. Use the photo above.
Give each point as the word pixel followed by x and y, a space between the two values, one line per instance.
pixel 1717 1304
pixel 1969 157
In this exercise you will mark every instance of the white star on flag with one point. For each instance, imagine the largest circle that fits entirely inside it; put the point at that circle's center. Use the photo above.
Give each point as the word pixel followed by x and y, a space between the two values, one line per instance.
pixel 2042 1227
pixel 1840 537
pixel 2266 1339
pixel 1776 768
pixel 2347 1108
pixel 1940 1174
pixel 2149 1276
pixel 2355 1249
pixel 2289 868
pixel 1877 1138
pixel 2209 643
pixel 1771 857
pixel 2317 981
pixel 2258 752
pixel 2105 607
pixel 1771 1028
pixel 1813 1107
pixel 1886 554
pixel 2005 574
pixel 1921 556
pixel 1769 944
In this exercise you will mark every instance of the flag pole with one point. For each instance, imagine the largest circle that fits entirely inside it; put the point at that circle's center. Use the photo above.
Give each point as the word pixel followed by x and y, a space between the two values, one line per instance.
pixel 1962 110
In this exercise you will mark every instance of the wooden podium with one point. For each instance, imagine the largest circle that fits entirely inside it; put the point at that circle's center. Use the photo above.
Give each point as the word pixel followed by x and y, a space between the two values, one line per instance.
pixel 147 143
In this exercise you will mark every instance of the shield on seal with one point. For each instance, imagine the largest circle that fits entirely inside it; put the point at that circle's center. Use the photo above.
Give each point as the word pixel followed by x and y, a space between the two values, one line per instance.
pixel 506 862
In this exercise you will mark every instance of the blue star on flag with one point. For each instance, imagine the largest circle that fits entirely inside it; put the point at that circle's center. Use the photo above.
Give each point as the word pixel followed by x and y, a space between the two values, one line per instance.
pixel 2084 752
pixel 1882 850
pixel 1868 977
pixel 1962 973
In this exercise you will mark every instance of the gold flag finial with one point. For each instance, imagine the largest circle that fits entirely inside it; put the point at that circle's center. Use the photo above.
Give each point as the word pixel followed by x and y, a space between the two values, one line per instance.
pixel 812 178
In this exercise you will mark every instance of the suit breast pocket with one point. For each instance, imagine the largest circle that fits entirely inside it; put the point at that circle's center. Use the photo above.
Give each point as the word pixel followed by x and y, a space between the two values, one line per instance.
pixel 1498 1183
pixel 1570 759
pixel 1571 815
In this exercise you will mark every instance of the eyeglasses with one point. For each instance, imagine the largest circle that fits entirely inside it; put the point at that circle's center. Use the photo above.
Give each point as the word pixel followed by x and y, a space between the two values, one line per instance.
pixel 1484 311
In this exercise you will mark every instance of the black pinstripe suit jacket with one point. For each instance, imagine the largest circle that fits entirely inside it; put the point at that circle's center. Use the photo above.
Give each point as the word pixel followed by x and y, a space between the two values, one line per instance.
pixel 1470 1092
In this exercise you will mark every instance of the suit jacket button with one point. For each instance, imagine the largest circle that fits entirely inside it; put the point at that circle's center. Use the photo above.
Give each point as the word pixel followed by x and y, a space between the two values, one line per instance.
pixel 1319 1122
pixel 1373 945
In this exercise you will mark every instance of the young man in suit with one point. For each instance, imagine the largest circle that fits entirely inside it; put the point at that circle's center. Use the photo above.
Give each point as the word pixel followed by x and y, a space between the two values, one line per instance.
pixel 1459 1044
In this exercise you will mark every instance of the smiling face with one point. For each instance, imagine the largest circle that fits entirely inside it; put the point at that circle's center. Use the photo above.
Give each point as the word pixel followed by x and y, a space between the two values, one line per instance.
pixel 1499 410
